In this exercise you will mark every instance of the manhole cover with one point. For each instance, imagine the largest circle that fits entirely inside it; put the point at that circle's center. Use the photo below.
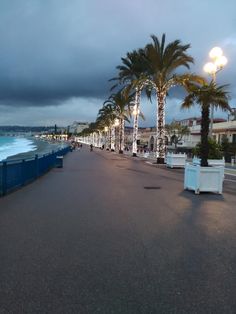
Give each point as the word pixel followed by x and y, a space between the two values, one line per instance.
pixel 152 187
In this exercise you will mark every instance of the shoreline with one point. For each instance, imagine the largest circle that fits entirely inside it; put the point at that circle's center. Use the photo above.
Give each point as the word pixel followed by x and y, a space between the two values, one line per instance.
pixel 42 148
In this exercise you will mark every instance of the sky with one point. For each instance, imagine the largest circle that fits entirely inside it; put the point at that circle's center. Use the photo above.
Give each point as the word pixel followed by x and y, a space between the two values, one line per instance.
pixel 56 56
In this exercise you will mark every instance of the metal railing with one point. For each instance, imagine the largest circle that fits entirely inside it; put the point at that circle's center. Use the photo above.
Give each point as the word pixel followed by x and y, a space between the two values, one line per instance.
pixel 17 173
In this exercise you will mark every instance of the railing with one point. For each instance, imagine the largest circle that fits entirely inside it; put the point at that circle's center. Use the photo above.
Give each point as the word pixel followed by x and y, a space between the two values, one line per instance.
pixel 17 173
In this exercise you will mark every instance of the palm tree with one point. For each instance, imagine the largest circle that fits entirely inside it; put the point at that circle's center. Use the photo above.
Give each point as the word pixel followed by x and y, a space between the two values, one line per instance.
pixel 107 116
pixel 163 62
pixel 132 75
pixel 206 95
pixel 121 102
pixel 176 132
pixel 100 126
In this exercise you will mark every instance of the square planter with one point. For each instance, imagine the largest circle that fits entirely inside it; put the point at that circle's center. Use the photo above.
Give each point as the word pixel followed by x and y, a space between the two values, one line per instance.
pixel 175 160
pixel 203 179
pixel 212 162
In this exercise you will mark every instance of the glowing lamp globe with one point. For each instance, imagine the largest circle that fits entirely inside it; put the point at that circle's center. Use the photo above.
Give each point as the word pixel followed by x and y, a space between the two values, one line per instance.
pixel 215 52
pixel 210 67
pixel 221 61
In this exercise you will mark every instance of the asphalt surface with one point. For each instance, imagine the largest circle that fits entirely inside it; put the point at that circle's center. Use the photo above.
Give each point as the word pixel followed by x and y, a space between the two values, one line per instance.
pixel 111 234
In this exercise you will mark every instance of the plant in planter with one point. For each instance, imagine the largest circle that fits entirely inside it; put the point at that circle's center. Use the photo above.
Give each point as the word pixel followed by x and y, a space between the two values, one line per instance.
pixel 202 177
pixel 176 132
pixel 228 149
pixel 214 150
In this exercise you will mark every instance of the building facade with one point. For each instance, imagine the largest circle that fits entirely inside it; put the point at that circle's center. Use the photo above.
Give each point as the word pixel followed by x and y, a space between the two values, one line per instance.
pixel 221 129
pixel 77 127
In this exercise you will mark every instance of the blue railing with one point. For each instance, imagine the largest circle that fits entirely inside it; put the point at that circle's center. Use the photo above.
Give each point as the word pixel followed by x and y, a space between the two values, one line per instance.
pixel 17 173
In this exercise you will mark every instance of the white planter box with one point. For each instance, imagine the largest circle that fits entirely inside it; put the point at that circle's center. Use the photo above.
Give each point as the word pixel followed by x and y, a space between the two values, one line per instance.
pixel 203 179
pixel 211 162
pixel 175 160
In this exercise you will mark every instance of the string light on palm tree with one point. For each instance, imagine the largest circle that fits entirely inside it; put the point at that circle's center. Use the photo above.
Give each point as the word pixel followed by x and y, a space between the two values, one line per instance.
pixel 163 61
pixel 106 135
pixel 135 113
pixel 113 134
pixel 212 68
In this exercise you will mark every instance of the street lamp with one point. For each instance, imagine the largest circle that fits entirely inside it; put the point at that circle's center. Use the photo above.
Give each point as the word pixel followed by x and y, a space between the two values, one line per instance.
pixel 212 68
pixel 135 114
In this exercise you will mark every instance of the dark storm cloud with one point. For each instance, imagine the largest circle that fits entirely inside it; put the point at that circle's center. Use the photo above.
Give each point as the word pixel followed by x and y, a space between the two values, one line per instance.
pixel 55 50
pixel 51 90
pixel 45 55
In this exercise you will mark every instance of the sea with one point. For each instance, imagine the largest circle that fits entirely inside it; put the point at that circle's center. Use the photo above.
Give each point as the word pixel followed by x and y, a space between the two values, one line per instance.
pixel 11 146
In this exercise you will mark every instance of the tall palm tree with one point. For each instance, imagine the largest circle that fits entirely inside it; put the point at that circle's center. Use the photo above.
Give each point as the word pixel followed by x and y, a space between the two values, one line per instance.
pixel 163 62
pixel 132 75
pixel 121 102
pixel 206 95
pixel 107 115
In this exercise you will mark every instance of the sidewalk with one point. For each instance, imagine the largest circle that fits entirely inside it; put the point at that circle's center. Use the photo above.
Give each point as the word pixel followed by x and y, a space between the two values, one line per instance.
pixel 229 168
pixel 109 234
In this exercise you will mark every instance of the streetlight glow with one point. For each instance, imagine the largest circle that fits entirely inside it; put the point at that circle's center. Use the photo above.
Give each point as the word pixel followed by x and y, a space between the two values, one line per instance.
pixel 215 53
pixel 210 68
pixel 221 61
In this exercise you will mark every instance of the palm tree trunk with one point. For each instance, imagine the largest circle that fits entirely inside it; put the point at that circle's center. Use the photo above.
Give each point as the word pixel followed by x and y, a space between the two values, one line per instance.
pixel 204 152
pixel 93 139
pixel 135 127
pixel 157 137
pixel 109 138
pixel 99 139
pixel 161 128
pixel 122 136
pixel 113 137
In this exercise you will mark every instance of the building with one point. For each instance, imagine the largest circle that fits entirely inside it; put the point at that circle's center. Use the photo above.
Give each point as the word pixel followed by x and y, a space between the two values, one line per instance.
pixel 77 127
pixel 232 115
pixel 196 121
pixel 221 129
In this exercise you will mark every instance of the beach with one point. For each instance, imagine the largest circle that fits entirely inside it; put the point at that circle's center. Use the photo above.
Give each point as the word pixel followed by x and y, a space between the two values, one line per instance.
pixel 42 148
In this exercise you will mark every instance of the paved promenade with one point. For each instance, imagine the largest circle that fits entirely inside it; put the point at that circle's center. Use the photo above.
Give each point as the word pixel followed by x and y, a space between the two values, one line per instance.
pixel 112 234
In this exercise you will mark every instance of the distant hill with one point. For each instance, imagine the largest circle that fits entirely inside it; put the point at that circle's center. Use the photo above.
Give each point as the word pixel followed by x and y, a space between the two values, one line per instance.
pixel 24 129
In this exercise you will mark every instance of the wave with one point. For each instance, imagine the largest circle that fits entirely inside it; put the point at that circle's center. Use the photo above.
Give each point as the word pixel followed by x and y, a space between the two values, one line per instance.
pixel 13 146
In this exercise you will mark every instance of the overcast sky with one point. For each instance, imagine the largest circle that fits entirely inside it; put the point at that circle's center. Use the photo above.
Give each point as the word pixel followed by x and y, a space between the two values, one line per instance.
pixel 56 56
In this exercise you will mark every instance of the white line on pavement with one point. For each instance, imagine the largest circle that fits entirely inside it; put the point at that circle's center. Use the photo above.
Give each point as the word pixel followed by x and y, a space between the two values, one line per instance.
pixel 230 174
pixel 230 180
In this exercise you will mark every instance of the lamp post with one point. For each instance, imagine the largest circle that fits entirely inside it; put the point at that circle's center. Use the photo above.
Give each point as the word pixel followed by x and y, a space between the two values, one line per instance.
pixel 212 68
pixel 135 114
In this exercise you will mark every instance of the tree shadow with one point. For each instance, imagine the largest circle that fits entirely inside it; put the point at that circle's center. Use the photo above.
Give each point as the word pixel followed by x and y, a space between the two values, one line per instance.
pixel 194 256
